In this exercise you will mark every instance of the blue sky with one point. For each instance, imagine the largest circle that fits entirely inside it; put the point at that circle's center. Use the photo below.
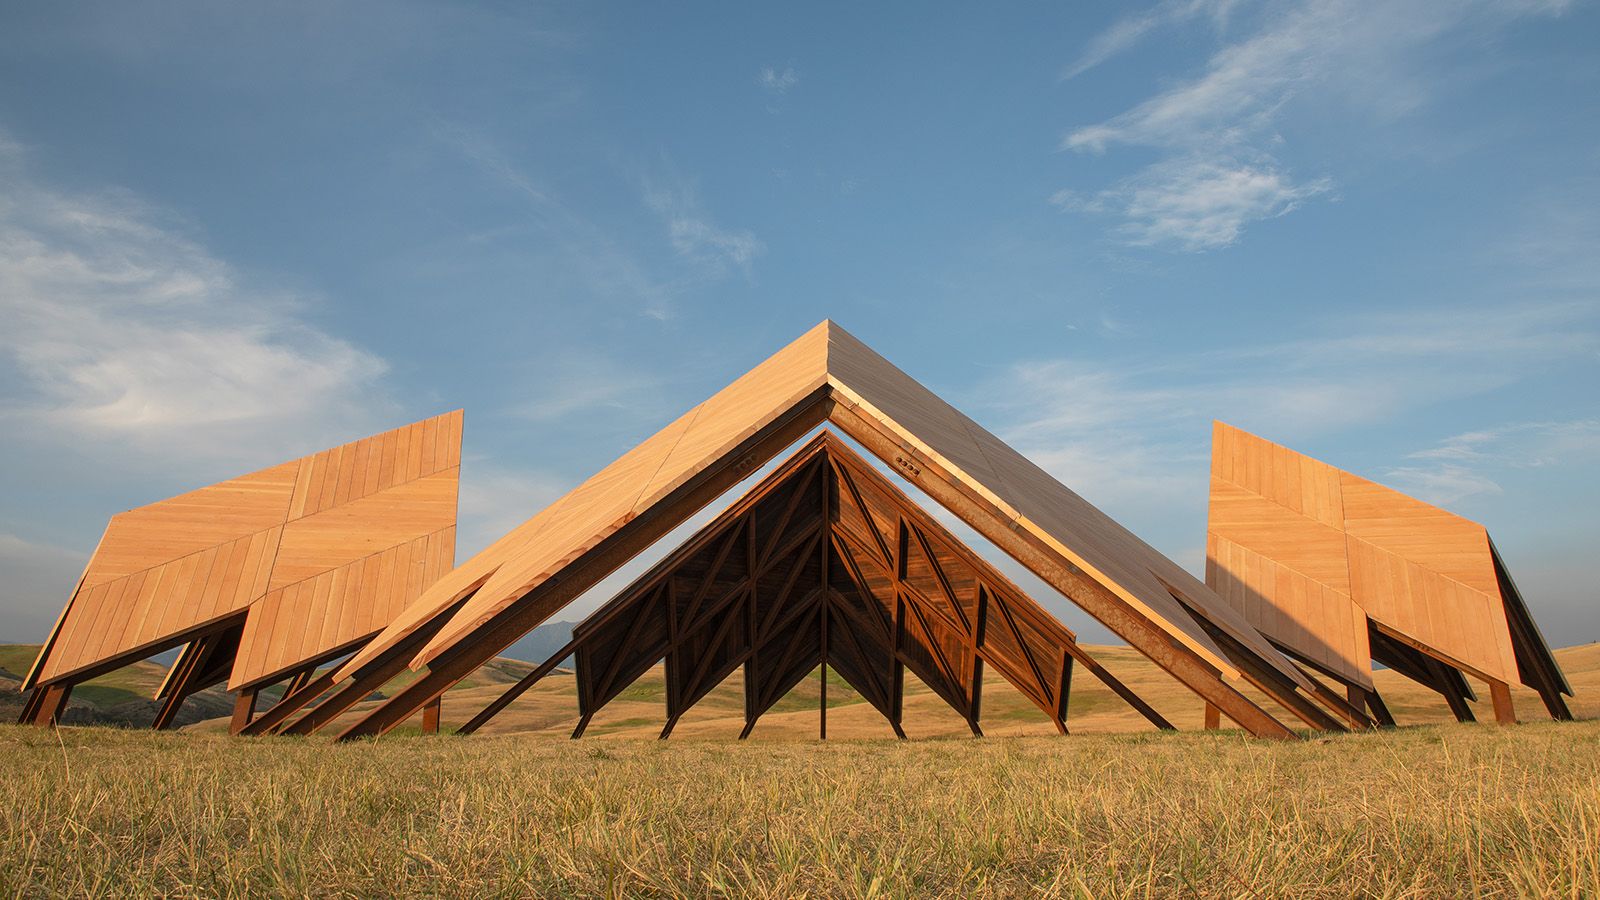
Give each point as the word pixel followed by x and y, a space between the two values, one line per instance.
pixel 1371 231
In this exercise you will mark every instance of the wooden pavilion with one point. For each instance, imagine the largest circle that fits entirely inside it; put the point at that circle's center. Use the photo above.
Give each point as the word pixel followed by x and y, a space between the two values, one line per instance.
pixel 262 578
pixel 1340 572
pixel 824 563
pixel 826 376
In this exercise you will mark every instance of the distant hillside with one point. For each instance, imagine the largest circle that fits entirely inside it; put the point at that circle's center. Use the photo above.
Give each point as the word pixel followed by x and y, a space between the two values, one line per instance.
pixel 123 698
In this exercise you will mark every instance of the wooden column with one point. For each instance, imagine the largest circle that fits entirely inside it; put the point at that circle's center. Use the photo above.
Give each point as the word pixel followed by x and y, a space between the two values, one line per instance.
pixel 1213 717
pixel 1504 711
pixel 430 716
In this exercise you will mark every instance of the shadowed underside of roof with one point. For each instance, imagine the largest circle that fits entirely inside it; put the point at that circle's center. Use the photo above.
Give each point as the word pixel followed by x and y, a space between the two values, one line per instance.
pixel 829 369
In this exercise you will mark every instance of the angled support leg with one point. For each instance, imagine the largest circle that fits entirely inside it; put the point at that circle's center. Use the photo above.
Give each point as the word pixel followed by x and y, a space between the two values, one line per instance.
pixel 1380 710
pixel 1445 681
pixel 516 690
pixel 45 706
pixel 288 705
pixel 1063 692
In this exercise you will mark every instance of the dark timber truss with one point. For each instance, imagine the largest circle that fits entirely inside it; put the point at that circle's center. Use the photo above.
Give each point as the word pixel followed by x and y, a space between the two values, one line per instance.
pixel 824 563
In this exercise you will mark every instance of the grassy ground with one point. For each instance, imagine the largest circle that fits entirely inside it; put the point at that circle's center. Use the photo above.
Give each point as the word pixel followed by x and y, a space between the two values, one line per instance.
pixel 1427 811
pixel 1113 810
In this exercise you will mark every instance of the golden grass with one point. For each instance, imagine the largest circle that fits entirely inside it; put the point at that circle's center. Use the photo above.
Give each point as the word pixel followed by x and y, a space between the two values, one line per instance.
pixel 1429 811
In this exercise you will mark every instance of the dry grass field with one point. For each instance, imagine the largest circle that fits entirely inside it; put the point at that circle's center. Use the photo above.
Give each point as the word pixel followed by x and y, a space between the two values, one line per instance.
pixel 1453 810
pixel 1428 810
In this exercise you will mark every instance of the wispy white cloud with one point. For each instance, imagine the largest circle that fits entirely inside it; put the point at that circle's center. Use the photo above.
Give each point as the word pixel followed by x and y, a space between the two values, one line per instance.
pixel 694 236
pixel 1442 485
pixel 778 81
pixel 120 327
pixel 1521 445
pixel 1221 132
pixel 584 384
pixel 1128 32
pixel 1196 203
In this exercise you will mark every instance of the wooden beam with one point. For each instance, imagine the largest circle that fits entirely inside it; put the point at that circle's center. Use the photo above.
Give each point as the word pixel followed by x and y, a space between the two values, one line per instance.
pixel 1120 689
pixel 430 716
pixel 1380 710
pixel 1063 691
pixel 368 678
pixel 288 705
pixel 1213 717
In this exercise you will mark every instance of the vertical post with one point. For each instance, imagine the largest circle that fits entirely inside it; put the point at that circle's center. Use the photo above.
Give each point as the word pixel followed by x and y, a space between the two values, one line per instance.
pixel 430 716
pixel 1504 711
pixel 1213 717
pixel 975 689
pixel 897 687
pixel 822 705
pixel 244 707
pixel 1063 692
pixel 1357 697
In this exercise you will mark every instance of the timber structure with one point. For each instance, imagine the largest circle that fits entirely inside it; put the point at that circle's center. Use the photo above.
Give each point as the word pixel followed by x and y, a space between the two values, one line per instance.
pixel 486 604
pixel 824 565
pixel 264 578
pixel 1340 572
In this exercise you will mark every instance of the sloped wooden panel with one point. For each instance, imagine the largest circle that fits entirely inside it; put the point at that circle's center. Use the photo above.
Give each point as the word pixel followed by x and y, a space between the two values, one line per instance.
pixel 1291 539
pixel 1445 543
pixel 142 538
pixel 636 481
pixel 306 533
pixel 1322 624
pixel 1464 624
pixel 359 528
pixel 1295 544
pixel 1077 530
pixel 337 607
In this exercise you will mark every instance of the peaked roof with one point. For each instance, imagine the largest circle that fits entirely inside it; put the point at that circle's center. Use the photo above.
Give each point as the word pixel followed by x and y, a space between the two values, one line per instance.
pixel 828 364
pixel 1308 553
pixel 315 553
pixel 824 536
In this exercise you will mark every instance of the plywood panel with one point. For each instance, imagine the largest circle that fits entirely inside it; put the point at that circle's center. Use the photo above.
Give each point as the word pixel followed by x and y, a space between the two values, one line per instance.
pixel 359 528
pixel 1411 567
pixel 1448 544
pixel 1314 550
pixel 263 543
pixel 1317 622
pixel 150 535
